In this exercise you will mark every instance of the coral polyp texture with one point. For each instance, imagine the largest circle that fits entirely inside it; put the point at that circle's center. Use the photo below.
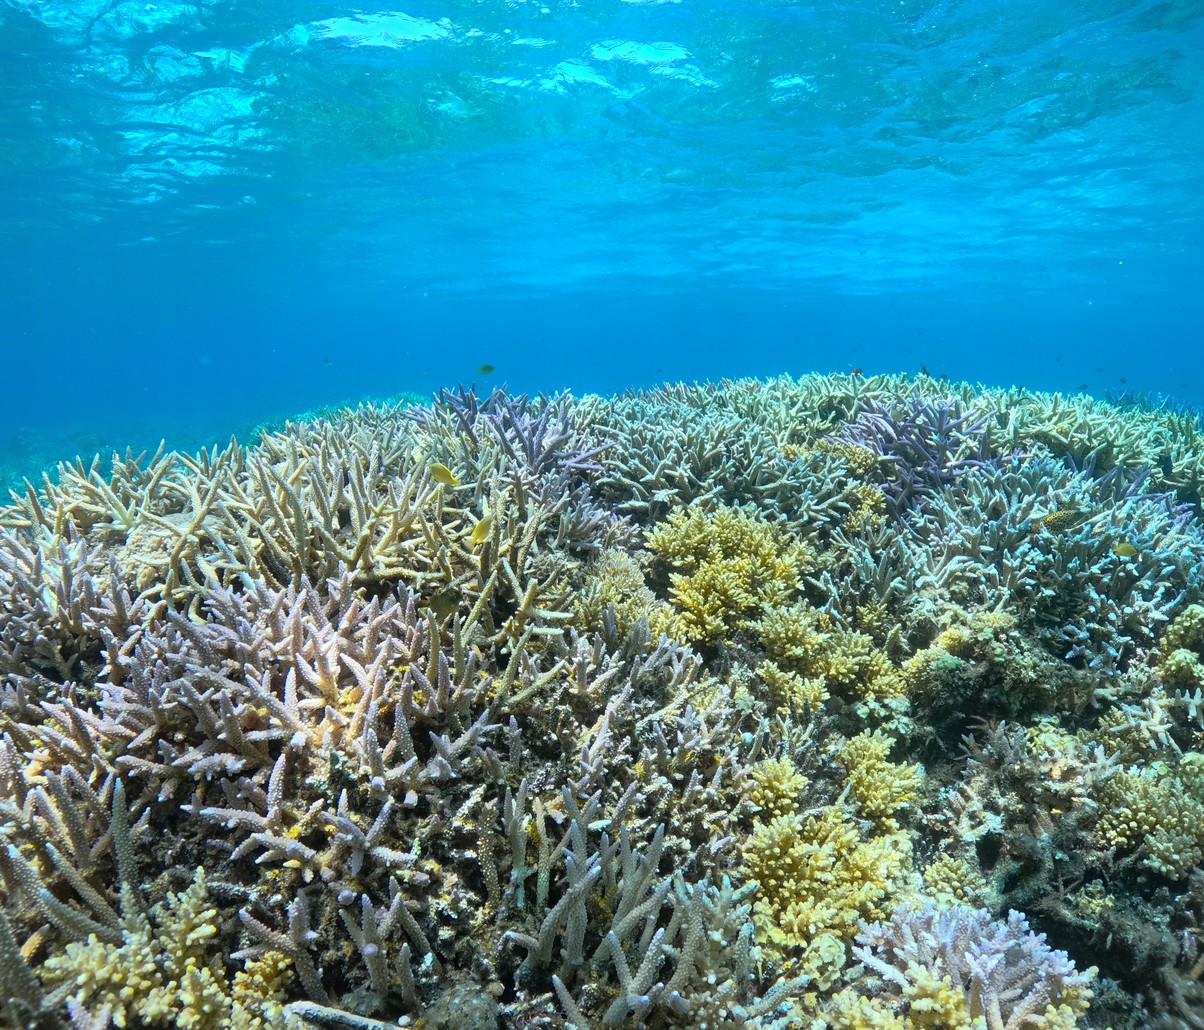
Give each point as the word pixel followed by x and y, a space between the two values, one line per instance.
pixel 838 701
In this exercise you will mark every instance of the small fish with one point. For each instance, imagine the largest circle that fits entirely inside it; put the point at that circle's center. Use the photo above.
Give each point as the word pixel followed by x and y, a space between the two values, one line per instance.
pixel 1061 520
pixel 445 603
pixel 440 473
pixel 486 369
pixel 480 532
pixel 1125 550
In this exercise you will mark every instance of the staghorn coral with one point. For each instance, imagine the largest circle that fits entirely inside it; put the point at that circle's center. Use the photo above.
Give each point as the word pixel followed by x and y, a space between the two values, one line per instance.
pixel 439 742
pixel 838 472
pixel 920 445
pixel 959 967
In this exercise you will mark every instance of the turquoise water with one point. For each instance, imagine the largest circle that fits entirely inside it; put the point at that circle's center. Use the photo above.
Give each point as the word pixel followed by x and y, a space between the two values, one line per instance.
pixel 221 213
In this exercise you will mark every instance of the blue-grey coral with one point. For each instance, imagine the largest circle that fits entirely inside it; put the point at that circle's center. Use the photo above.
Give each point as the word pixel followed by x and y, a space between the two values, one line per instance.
pixel 1007 976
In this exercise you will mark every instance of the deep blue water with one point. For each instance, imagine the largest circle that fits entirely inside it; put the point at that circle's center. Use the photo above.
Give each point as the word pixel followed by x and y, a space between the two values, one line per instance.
pixel 213 214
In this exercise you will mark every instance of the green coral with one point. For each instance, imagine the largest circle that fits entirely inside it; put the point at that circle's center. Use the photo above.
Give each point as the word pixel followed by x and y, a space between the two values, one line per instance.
pixel 1183 668
pixel 1158 813
pixel 1186 630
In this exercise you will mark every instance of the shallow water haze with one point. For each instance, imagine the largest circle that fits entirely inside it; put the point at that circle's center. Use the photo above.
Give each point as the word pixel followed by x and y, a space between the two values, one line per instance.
pixel 219 213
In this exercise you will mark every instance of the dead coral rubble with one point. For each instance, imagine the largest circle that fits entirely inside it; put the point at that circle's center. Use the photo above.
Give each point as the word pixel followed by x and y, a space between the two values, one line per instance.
pixel 512 712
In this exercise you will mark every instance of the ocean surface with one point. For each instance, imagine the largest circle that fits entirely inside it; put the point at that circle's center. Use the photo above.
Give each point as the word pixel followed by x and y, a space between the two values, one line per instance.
pixel 217 214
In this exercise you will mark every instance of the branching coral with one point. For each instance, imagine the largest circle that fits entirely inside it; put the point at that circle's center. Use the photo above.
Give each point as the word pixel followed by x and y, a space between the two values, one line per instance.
pixel 958 965
pixel 404 690
pixel 921 445
pixel 616 580
pixel 1157 813
pixel 817 656
pixel 877 787
pixel 1181 649
pixel 727 566
pixel 775 787
pixel 164 971
pixel 818 876
pixel 950 880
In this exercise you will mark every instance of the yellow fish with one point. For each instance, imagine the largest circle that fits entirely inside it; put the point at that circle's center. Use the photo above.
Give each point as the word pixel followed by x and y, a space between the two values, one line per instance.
pixel 486 370
pixel 1125 550
pixel 480 532
pixel 440 473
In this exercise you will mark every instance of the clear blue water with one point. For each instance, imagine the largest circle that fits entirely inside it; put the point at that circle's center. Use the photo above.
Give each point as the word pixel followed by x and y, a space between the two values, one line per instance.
pixel 216 213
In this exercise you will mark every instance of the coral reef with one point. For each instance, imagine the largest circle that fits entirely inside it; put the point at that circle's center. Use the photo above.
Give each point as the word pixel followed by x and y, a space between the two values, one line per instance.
pixel 959 967
pixel 760 704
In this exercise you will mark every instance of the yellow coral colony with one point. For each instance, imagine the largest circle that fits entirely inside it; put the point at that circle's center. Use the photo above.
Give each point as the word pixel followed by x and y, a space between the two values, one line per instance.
pixel 164 972
pixel 818 876
pixel 726 567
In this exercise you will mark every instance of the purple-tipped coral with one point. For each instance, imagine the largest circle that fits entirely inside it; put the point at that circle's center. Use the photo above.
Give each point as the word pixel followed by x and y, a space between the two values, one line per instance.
pixel 923 445
pixel 960 959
